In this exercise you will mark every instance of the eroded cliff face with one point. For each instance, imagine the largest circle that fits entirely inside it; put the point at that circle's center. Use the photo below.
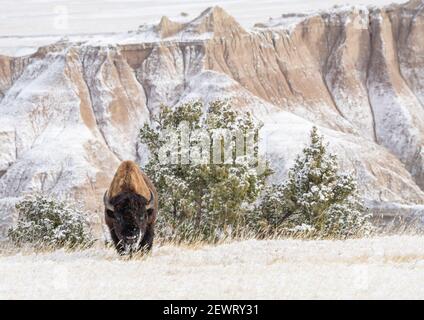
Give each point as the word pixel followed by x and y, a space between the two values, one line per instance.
pixel 353 71
pixel 10 70
pixel 71 112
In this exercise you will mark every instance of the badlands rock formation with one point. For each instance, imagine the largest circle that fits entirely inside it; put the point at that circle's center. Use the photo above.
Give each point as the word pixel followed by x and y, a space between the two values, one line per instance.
pixel 71 111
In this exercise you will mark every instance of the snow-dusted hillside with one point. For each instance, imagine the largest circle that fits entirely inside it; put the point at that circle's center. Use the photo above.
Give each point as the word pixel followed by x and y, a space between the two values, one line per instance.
pixel 71 111
pixel 98 16
pixel 27 24
pixel 387 268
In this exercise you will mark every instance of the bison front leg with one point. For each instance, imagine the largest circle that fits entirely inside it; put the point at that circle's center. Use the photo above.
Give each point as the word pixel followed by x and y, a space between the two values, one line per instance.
pixel 117 243
pixel 147 241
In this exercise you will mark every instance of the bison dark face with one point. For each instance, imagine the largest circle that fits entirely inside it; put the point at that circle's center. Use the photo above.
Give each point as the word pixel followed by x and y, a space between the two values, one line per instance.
pixel 129 214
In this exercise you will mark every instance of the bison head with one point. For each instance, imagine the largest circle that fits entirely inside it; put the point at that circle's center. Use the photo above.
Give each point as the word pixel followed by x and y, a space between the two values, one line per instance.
pixel 129 213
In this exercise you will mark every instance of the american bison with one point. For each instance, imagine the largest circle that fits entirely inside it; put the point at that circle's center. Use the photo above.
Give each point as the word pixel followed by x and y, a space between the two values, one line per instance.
pixel 131 207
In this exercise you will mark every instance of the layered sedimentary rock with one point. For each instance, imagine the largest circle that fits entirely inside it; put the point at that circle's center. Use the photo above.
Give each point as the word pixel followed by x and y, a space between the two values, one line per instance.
pixel 71 111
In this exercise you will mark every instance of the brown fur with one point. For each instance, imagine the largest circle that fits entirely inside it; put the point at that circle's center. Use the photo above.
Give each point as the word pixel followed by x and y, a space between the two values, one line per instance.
pixel 130 178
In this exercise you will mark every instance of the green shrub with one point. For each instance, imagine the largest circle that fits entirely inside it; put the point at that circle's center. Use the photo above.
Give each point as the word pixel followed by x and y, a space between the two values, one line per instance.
pixel 210 201
pixel 47 222
pixel 315 200
pixel 202 201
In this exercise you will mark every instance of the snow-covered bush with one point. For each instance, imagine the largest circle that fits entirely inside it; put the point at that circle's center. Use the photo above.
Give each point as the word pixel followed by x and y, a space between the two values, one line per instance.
pixel 47 222
pixel 315 200
pixel 204 199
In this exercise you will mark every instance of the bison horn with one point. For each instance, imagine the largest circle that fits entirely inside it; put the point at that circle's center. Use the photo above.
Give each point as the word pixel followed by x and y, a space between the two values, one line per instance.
pixel 151 202
pixel 106 202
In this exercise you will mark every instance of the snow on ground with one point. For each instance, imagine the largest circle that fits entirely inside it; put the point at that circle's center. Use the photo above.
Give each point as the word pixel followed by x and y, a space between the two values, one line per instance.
pixel 28 24
pixel 384 267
